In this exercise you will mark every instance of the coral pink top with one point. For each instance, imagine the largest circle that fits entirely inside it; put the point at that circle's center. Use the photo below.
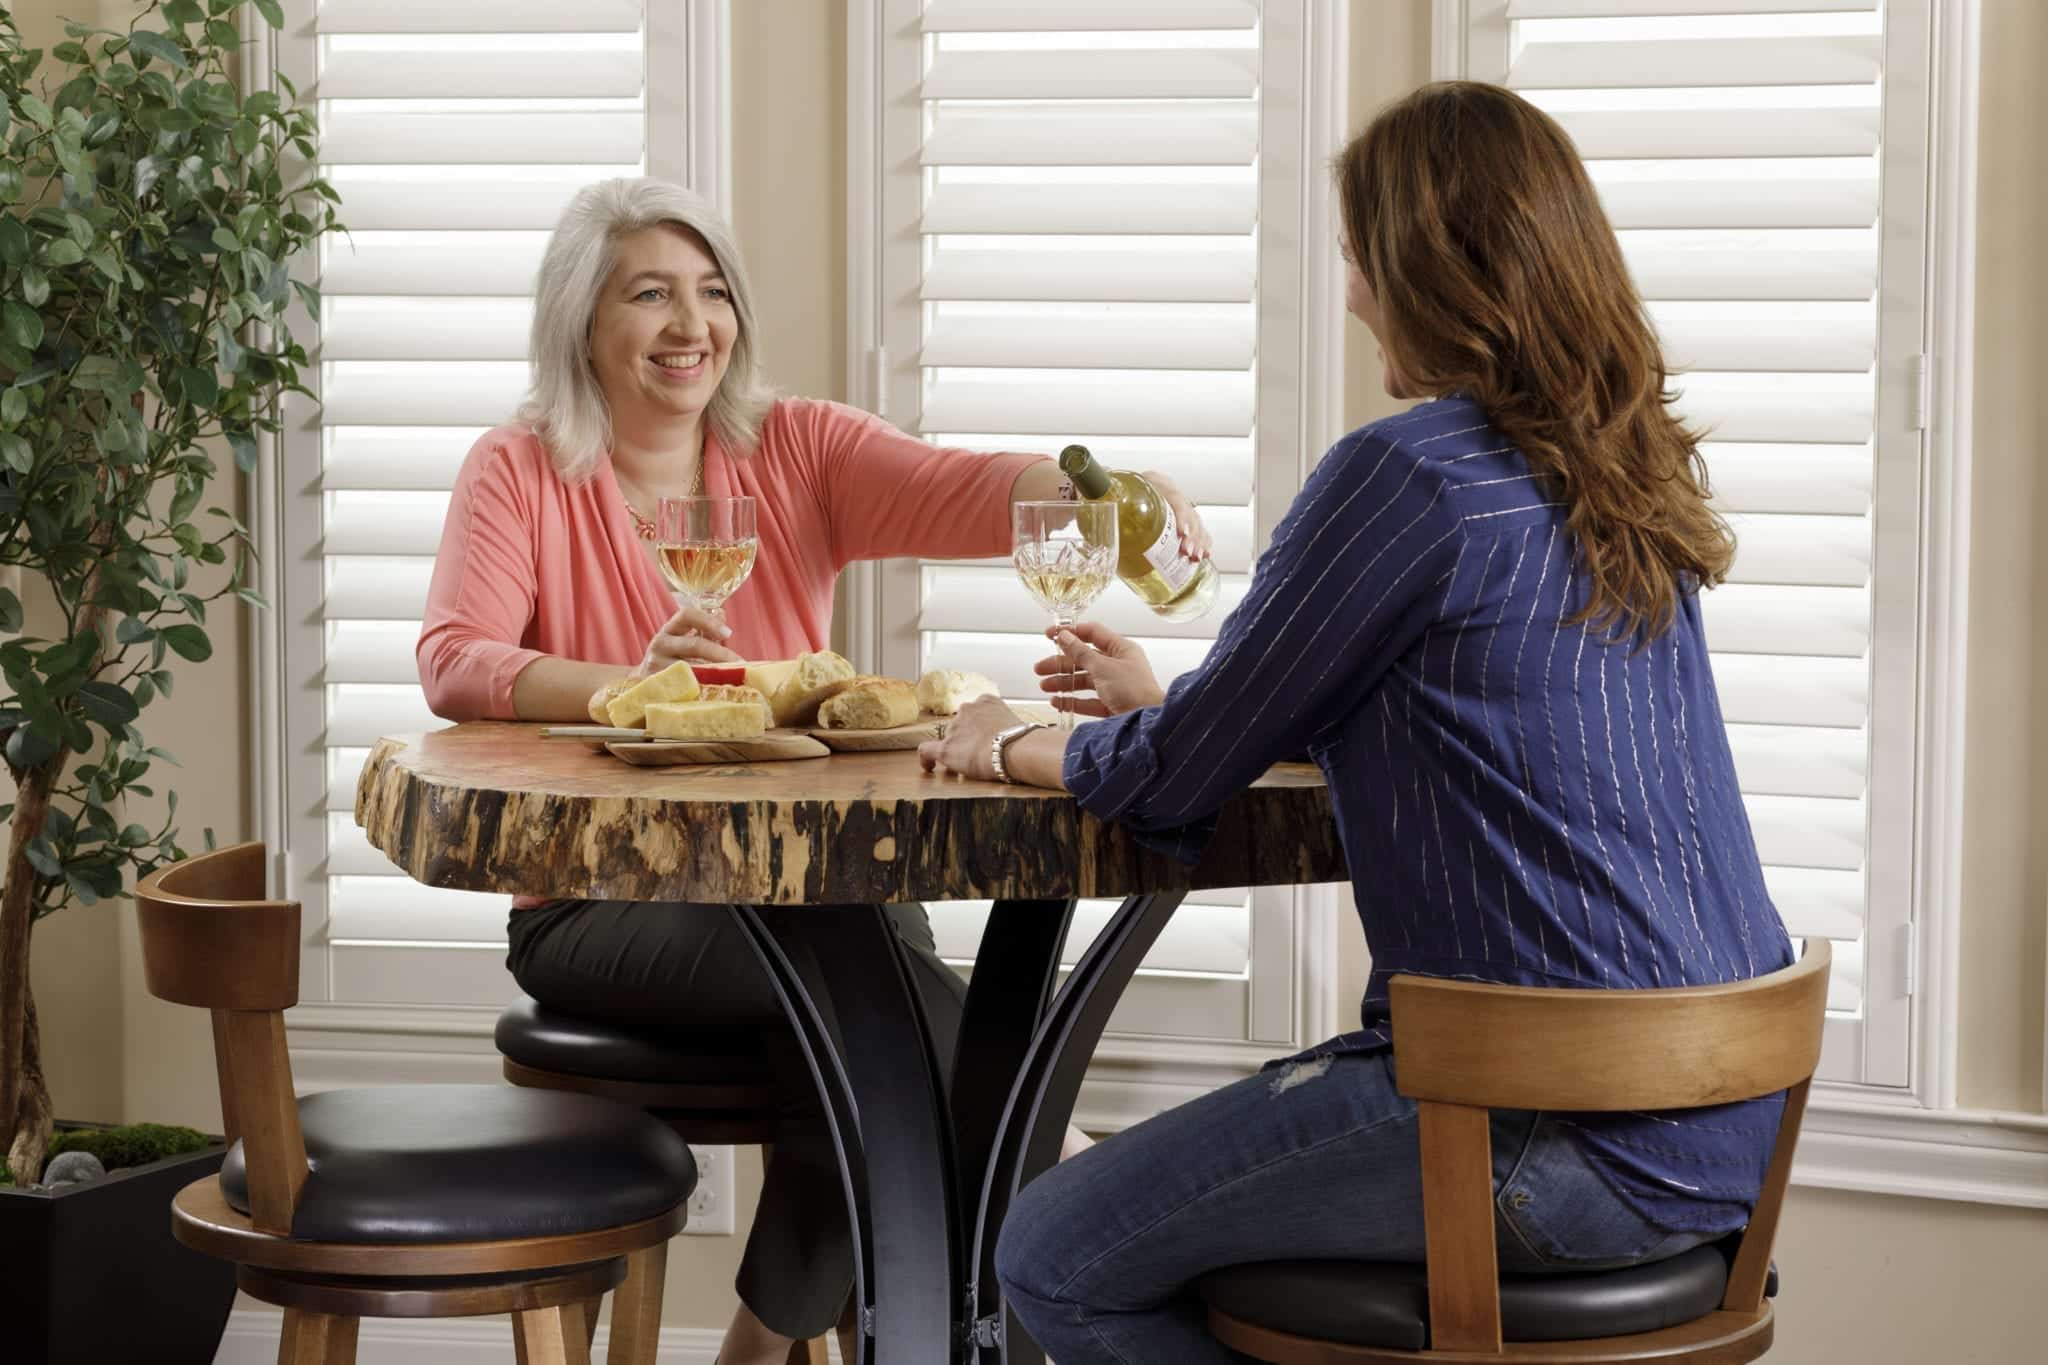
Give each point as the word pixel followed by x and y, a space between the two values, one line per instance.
pixel 530 565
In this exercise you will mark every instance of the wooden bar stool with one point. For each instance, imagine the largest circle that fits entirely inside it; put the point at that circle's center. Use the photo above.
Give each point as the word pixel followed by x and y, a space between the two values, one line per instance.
pixel 718 1091
pixel 408 1201
pixel 1464 1049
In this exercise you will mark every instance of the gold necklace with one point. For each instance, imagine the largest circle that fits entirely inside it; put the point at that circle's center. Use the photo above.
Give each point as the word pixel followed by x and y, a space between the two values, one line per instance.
pixel 641 525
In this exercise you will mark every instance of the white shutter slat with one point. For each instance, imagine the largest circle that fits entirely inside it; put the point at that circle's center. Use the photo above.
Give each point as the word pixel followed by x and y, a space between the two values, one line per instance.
pixel 1819 59
pixel 1784 760
pixel 401 909
pixel 368 588
pixel 1763 342
pixel 467 16
pixel 1177 274
pixel 1098 342
pixel 1817 902
pixel 443 263
pixel 1195 404
pixel 386 329
pixel 1781 689
pixel 1745 618
pixel 1808 831
pixel 1082 73
pixel 1734 408
pixel 1212 939
pixel 1761 202
pixel 1185 134
pixel 1814 551
pixel 1789 477
pixel 372 652
pixel 350 853
pixel 384 523
pixel 462 198
pixel 360 714
pixel 1624 9
pixel 571 137
pixel 980 16
pixel 1052 206
pixel 1789 130
pixel 395 457
pixel 962 598
pixel 1213 470
pixel 1734 265
pixel 480 393
pixel 344 767
pixel 386 72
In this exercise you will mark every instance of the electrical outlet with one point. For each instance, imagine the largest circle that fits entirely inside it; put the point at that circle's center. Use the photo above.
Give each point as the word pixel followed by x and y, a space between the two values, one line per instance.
pixel 711 1202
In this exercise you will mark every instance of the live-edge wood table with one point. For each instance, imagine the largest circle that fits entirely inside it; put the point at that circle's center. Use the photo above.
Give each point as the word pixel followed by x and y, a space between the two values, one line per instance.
pixel 493 807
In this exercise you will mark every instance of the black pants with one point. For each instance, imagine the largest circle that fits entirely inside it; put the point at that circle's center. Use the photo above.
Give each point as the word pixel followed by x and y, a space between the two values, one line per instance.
pixel 687 971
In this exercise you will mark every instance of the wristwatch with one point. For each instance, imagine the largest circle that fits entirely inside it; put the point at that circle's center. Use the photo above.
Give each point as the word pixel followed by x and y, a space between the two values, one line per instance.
pixel 1003 740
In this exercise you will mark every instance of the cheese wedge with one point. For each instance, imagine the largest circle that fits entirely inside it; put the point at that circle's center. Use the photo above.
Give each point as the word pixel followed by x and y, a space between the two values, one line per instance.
pixel 943 691
pixel 704 720
pixel 870 704
pixel 674 683
pixel 767 677
pixel 732 692
pixel 815 678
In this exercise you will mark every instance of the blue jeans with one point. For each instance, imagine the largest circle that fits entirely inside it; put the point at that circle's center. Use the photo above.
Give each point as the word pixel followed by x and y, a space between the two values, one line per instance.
pixel 1310 1160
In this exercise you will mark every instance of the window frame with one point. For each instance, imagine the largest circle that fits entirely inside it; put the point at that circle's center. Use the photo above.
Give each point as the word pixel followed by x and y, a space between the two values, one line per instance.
pixel 1926 387
pixel 1134 1076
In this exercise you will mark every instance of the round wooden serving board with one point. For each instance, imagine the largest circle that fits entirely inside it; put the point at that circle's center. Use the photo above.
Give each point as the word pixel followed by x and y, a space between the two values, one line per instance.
pixel 668 753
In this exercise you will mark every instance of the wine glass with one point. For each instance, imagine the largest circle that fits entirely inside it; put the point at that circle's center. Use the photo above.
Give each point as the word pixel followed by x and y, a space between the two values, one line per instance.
pixel 1065 553
pixel 706 547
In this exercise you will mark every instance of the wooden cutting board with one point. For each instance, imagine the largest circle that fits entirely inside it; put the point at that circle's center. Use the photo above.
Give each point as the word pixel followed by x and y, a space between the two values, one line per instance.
pixel 927 726
pixel 668 753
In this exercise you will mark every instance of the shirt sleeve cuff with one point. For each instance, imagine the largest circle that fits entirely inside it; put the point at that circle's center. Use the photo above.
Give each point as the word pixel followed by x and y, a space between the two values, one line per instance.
pixel 1109 767
pixel 504 672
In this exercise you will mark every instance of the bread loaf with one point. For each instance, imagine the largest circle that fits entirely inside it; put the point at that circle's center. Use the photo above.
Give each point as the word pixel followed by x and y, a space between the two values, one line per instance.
pixel 943 691
pixel 734 692
pixel 870 703
pixel 601 700
pixel 674 683
pixel 815 678
pixel 705 719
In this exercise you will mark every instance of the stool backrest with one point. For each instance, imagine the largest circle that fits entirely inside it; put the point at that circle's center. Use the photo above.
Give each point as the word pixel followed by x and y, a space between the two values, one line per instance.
pixel 210 939
pixel 1463 1048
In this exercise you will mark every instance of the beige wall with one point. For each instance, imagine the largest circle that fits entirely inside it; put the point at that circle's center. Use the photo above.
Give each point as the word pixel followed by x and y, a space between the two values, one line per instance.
pixel 1869 1278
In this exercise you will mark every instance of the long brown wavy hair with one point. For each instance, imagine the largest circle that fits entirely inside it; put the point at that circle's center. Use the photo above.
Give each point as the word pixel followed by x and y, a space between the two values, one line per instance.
pixel 1498 276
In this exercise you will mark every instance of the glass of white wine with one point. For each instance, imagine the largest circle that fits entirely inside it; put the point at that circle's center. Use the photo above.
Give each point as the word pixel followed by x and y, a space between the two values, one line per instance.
pixel 1065 553
pixel 706 547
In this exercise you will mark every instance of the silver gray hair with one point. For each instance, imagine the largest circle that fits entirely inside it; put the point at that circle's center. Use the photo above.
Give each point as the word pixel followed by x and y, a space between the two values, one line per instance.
pixel 564 405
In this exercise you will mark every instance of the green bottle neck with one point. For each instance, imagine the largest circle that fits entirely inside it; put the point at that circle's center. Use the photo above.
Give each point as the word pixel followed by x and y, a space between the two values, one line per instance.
pixel 1091 480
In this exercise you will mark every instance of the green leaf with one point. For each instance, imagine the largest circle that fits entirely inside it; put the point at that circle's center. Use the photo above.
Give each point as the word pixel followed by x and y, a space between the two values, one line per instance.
pixel 221 33
pixel 35 111
pixel 244 446
pixel 224 238
pixel 189 642
pixel 261 104
pixel 13 407
pixel 108 263
pixel 16 453
pixel 184 11
pixel 74 53
pixel 131 630
pixel 35 286
pixel 231 354
pixel 200 386
pixel 14 242
pixel 23 325
pixel 272 13
pixel 147 172
pixel 62 251
pixel 245 136
pixel 309 296
pixel 97 373
pixel 27 747
pixel 160 46
pixel 41 856
pixel 109 705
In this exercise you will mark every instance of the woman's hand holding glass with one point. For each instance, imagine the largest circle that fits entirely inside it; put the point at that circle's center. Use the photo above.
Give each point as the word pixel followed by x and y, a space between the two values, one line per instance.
pixel 692 634
pixel 1094 658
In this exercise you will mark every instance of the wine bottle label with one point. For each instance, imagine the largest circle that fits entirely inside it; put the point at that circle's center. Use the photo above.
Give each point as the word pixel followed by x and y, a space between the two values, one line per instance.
pixel 1164 554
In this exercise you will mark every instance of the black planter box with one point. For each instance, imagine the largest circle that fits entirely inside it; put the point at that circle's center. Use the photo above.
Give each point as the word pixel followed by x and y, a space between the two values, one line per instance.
pixel 90 1274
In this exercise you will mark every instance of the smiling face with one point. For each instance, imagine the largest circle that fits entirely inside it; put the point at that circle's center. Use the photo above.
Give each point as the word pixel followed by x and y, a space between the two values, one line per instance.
pixel 663 331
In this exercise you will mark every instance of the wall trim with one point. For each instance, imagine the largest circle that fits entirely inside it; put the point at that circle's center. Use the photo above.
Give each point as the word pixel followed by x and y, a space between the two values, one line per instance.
pixel 1971 1156
pixel 252 1339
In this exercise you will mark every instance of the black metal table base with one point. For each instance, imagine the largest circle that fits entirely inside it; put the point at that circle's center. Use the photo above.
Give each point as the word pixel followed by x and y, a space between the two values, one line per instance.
pixel 927 1190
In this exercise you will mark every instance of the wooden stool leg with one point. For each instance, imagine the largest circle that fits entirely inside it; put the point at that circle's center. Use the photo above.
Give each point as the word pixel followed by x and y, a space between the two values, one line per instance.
pixel 636 1308
pixel 812 1352
pixel 316 1339
pixel 591 1308
pixel 548 1336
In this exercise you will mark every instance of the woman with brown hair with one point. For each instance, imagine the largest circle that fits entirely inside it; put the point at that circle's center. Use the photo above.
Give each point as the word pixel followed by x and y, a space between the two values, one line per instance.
pixel 1482 619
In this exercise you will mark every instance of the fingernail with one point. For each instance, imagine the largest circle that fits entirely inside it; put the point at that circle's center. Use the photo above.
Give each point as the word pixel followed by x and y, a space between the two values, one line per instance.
pixel 725 632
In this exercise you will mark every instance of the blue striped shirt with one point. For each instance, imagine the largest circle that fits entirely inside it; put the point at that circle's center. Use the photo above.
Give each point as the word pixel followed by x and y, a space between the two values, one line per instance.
pixel 1520 801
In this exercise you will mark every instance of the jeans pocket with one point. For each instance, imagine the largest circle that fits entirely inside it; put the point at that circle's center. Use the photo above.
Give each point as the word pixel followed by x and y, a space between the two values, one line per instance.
pixel 1567 1216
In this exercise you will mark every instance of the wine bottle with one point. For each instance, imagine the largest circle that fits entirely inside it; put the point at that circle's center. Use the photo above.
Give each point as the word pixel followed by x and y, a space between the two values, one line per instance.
pixel 1148 540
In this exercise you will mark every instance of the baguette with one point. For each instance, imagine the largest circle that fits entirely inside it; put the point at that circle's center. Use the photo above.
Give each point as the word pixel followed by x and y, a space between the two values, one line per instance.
pixel 601 701
pixel 870 703
pixel 815 678
pixel 943 691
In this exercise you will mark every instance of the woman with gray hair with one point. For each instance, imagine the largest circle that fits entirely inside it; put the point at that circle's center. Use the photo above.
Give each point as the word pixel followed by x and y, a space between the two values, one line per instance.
pixel 647 384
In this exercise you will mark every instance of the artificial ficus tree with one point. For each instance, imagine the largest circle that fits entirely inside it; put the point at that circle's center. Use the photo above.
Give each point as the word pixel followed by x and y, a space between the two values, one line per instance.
pixel 148 214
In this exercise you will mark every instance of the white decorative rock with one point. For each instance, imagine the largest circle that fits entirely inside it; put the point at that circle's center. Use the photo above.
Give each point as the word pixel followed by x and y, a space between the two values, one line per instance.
pixel 71 1168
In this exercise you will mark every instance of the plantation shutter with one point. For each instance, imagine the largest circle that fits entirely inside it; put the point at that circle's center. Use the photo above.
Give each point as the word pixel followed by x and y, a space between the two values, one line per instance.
pixel 1767 188
pixel 1072 230
pixel 455 133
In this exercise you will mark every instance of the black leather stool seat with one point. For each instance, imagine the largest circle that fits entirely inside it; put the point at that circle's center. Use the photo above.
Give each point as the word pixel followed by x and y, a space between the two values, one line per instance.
pixel 474 1163
pixel 1386 1304
pixel 534 1036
